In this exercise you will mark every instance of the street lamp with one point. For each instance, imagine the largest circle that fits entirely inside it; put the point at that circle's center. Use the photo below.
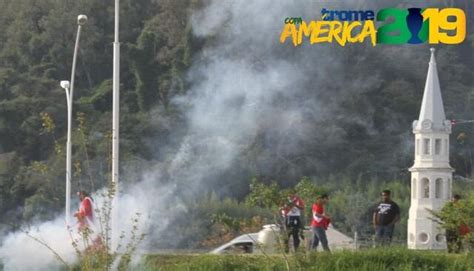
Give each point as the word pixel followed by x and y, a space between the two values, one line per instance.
pixel 115 127
pixel 65 85
pixel 69 88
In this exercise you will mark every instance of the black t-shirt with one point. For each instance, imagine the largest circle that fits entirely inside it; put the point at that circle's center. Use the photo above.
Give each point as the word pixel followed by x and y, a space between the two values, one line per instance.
pixel 386 212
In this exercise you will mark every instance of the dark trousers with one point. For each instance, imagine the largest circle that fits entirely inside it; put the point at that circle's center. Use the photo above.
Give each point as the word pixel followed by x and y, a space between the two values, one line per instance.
pixel 383 234
pixel 319 234
pixel 293 226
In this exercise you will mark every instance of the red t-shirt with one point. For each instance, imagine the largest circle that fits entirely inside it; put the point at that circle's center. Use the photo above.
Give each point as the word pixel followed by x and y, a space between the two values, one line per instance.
pixel 319 221
pixel 85 209
pixel 464 229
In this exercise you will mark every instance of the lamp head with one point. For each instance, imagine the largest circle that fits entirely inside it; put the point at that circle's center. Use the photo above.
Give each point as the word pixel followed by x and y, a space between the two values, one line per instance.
pixel 65 84
pixel 81 19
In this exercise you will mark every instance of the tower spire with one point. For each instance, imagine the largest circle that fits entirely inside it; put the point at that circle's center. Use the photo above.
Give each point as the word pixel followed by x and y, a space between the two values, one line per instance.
pixel 432 108
pixel 431 174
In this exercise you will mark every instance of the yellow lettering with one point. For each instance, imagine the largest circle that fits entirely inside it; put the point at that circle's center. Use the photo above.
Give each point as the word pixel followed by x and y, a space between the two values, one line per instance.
pixel 306 30
pixel 368 30
pixel 459 25
pixel 289 30
pixel 326 31
pixel 318 30
pixel 348 31
pixel 337 33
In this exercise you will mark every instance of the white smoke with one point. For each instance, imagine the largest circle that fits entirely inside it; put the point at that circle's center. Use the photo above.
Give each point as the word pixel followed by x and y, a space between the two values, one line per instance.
pixel 235 95
pixel 34 248
pixel 244 84
pixel 21 252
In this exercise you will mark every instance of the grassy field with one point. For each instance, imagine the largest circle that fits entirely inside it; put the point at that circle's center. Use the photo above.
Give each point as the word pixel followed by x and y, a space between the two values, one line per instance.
pixel 373 259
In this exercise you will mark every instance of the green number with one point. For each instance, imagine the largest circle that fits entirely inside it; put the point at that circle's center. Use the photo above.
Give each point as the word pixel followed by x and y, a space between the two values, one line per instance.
pixel 396 32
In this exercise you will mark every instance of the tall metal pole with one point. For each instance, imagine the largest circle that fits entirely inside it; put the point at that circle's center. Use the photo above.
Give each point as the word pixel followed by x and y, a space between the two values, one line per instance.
pixel 81 20
pixel 115 127
pixel 68 158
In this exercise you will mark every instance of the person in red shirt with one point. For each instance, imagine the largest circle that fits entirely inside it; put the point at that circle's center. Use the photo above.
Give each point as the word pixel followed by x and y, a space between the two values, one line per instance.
pixel 292 213
pixel 320 222
pixel 84 215
pixel 85 220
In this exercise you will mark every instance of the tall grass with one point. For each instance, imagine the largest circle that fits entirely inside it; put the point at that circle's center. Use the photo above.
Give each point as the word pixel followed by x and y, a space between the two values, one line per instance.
pixel 365 260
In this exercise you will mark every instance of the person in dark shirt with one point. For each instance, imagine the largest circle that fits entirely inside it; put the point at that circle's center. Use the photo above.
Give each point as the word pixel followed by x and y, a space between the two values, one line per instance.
pixel 292 212
pixel 386 214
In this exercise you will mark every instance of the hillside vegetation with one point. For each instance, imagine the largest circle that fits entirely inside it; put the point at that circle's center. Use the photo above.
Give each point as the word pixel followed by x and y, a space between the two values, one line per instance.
pixel 343 120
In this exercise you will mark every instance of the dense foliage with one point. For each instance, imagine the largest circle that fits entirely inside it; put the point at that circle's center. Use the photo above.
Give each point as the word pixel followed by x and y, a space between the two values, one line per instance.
pixel 458 218
pixel 362 145
pixel 36 45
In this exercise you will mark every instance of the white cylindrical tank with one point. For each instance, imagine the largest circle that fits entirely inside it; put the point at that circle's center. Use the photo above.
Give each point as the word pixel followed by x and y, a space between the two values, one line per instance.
pixel 268 239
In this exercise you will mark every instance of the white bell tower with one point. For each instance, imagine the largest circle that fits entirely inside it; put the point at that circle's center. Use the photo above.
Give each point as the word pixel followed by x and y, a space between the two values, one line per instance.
pixel 431 174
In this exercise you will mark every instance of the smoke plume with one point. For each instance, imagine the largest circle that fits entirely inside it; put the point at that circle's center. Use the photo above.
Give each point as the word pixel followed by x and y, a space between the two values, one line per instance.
pixel 247 91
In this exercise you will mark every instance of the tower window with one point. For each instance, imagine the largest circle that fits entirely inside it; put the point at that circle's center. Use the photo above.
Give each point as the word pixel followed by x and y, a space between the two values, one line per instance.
pixel 424 237
pixel 437 146
pixel 438 188
pixel 425 188
pixel 426 146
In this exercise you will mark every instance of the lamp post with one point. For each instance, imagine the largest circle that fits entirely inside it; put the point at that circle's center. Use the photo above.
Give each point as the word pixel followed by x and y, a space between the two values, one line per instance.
pixel 65 85
pixel 69 88
pixel 115 127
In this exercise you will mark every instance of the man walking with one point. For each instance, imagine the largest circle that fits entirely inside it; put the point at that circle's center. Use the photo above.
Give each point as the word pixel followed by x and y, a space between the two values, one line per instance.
pixel 386 214
pixel 319 223
pixel 292 213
